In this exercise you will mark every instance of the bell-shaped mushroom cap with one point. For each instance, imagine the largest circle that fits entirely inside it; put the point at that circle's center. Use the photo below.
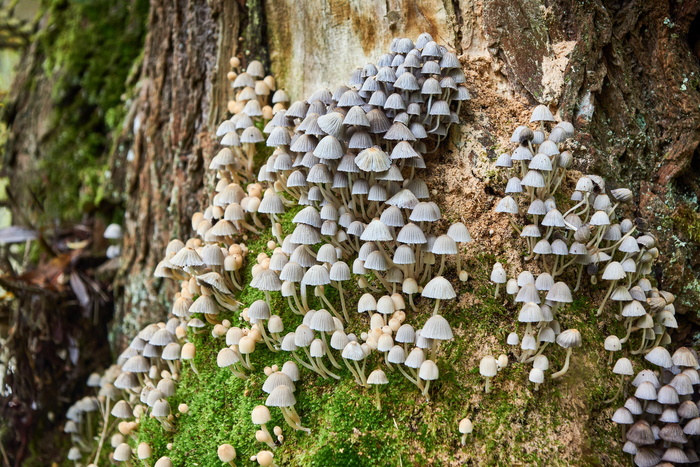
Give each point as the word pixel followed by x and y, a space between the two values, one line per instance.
pixel 623 416
pixel 322 321
pixel 428 371
pixel 560 293
pixel 612 343
pixel 634 406
pixel 258 310
pixel 276 379
pixel 266 280
pixel 530 313
pixel 406 334
pixel 513 339
pixel 692 428
pixel 373 160
pixel 667 395
pixel 187 257
pixel 646 376
pixel 164 462
pixel 614 271
pixel 292 272
pixel 570 338
pixel 353 351
pixel 122 453
pixel 623 366
pixel 415 358
pixel 403 199
pixel 113 232
pixel 465 426
pixel 498 274
pixel 675 455
pixel 673 433
pixel 316 275
pixel 376 231
pixel 444 245
pixel 226 452
pixel 437 327
pixel 291 369
pixel 633 309
pixel 411 234
pixel 688 409
pixel 659 356
pixel 646 391
pixel 488 366
pixel 340 271
pixel 683 357
pixel 528 293
pixel 541 113
pixel 683 384
pixel 122 409
pixel 536 376
pixel 377 377
pixel 281 396
pixel 640 433
pixel 647 457
pixel 669 415
pixel 226 357
pixel 439 288
pixel 396 355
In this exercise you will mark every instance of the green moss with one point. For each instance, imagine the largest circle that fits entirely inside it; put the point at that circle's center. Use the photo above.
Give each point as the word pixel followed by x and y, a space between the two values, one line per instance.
pixel 687 221
pixel 89 47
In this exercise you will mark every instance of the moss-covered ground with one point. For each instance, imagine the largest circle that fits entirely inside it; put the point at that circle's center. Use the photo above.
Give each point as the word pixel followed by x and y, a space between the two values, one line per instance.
pixel 563 423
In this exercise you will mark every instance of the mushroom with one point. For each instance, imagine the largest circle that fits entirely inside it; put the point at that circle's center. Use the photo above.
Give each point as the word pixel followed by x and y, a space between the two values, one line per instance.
pixel 438 288
pixel 283 397
pixel 465 427
pixel 488 368
pixel 227 454
pixel 376 378
pixel 568 339
pixel 260 416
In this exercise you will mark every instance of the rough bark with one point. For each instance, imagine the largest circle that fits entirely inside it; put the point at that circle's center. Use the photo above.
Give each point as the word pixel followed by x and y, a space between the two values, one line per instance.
pixel 628 73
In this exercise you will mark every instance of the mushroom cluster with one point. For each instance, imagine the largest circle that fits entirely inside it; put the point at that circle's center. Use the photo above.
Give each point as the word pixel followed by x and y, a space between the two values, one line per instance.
pixel 345 162
pixel 660 422
pixel 591 236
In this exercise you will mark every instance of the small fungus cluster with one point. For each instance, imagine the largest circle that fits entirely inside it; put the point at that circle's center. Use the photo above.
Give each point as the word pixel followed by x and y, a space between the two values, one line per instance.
pixel 660 422
pixel 345 162
pixel 341 288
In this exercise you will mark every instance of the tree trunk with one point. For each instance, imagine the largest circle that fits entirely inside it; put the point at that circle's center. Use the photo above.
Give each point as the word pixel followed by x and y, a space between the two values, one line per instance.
pixel 626 73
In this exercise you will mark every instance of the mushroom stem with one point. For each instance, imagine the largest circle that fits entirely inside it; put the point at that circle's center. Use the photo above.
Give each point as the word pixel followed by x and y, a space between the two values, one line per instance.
pixel 302 362
pixel 105 423
pixel 322 366
pixel 302 310
pixel 607 295
pixel 442 265
pixel 376 397
pixel 564 369
pixel 334 362
pixel 358 380
pixel 619 390
pixel 406 375
pixel 437 307
pixel 464 439
pixel 487 386
pixel 295 416
pixel 361 372
pixel 410 301
pixel 495 294
pixel 329 304
pixel 425 389
pixel 342 301
pixel 304 301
